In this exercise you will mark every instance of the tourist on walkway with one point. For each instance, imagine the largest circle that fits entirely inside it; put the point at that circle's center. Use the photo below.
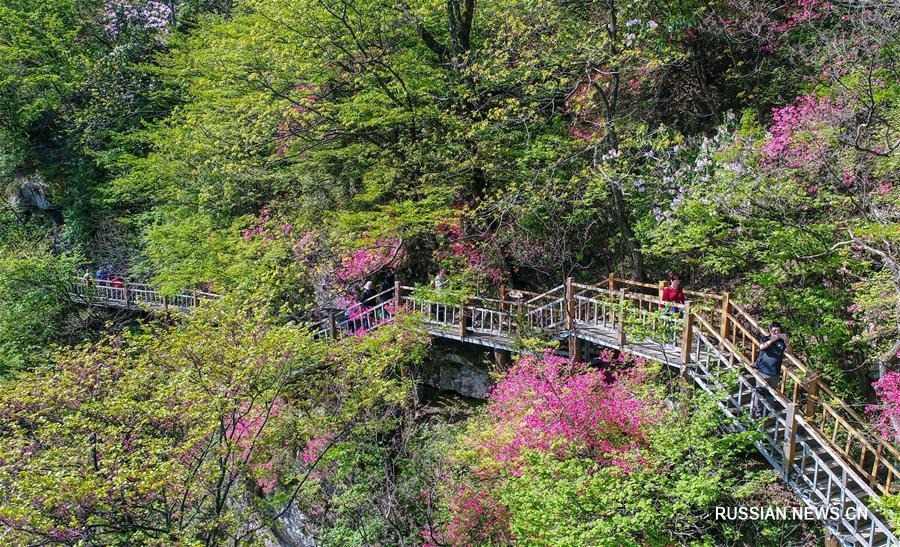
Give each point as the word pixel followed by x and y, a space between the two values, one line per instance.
pixel 367 294
pixel 439 280
pixel 438 283
pixel 673 296
pixel 673 293
pixel 772 349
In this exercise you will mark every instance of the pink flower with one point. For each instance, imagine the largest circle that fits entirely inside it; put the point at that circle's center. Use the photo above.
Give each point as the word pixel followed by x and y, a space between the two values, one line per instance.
pixel 797 135
pixel 888 391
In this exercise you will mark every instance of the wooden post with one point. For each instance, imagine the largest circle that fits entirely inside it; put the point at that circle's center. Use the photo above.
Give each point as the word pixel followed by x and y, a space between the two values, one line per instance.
pixel 194 298
pixel 662 287
pixel 574 341
pixel 687 336
pixel 812 395
pixel 574 347
pixel 332 326
pixel 726 302
pixel 398 297
pixel 620 334
pixel 520 315
pixel 126 291
pixel 612 282
pixel 463 312
pixel 873 476
pixel 570 305
pixel 790 440
pixel 502 296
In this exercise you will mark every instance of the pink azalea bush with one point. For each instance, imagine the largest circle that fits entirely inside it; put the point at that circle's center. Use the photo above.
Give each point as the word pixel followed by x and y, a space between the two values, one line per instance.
pixel 549 405
pixel 476 255
pixel 362 263
pixel 556 405
pixel 247 433
pixel 887 389
pixel 798 135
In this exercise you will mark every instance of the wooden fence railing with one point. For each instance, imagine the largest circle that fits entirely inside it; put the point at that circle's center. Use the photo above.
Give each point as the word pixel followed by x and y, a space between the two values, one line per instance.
pixel 709 328
pixel 130 295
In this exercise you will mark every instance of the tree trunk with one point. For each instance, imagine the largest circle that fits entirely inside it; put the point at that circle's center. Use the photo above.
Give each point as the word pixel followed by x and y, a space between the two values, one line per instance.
pixel 632 247
pixel 460 14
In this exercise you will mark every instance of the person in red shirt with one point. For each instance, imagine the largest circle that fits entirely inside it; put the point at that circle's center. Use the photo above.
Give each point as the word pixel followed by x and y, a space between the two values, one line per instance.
pixel 673 292
pixel 673 296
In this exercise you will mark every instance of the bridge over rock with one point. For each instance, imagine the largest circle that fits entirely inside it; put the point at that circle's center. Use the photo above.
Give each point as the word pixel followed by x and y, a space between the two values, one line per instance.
pixel 823 449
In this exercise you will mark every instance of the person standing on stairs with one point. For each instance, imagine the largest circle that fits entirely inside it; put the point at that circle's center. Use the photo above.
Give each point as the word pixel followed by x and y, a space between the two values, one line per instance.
pixel 673 299
pixel 673 293
pixel 772 349
pixel 367 293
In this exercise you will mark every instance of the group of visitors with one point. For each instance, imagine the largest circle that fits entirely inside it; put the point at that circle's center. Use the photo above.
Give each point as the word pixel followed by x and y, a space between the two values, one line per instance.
pixel 772 347
pixel 103 273
pixel 367 296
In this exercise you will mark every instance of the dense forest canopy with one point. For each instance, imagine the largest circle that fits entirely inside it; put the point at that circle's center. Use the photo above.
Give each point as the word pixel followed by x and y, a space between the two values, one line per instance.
pixel 284 152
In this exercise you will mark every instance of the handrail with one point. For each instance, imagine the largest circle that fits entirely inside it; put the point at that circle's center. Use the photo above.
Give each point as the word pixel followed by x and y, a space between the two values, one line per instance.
pixel 532 308
pixel 656 287
pixel 544 294
pixel 856 439
pixel 854 424
pixel 778 395
pixel 729 326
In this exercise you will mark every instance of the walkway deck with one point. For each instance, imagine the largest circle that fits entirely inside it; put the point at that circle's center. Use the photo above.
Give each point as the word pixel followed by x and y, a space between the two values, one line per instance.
pixel 821 447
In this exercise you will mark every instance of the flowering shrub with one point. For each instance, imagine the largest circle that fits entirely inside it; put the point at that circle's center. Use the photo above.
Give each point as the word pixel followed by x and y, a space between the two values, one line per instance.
pixel 888 391
pixel 246 432
pixel 139 434
pixel 559 406
pixel 474 256
pixel 799 134
pixel 478 516
pixel 555 407
pixel 362 263
pixel 150 16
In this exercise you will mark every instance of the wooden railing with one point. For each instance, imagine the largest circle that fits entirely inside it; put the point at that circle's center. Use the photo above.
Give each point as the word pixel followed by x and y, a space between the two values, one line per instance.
pixel 709 331
pixel 792 444
pixel 130 295
pixel 848 432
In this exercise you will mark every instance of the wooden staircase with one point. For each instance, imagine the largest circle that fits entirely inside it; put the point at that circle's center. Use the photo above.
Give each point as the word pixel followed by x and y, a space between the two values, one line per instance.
pixel 826 452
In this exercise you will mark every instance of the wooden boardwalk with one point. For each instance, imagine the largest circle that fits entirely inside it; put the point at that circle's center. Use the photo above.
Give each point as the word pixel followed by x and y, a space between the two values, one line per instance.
pixel 825 451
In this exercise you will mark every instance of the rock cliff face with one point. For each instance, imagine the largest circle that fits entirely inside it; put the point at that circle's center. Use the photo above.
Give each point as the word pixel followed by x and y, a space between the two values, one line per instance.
pixel 29 193
pixel 292 529
pixel 451 366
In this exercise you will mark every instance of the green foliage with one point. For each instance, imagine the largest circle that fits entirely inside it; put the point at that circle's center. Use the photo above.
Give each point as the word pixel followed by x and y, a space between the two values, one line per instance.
pixel 250 147
pixel 34 303
pixel 177 433
pixel 693 465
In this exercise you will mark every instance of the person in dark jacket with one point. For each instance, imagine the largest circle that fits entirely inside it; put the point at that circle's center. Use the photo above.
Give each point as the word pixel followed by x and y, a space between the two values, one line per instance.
pixel 385 289
pixel 772 349
pixel 367 294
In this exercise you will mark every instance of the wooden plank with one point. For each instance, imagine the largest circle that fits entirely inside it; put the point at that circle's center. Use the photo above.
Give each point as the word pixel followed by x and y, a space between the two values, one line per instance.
pixel 790 440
